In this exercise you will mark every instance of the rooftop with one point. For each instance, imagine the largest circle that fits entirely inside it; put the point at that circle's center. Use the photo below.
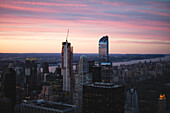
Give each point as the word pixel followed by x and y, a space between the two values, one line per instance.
pixel 104 85
pixel 103 39
pixel 106 63
pixel 51 105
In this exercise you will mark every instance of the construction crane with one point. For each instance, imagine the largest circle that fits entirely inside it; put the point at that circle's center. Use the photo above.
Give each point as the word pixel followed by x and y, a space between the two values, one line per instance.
pixel 67 34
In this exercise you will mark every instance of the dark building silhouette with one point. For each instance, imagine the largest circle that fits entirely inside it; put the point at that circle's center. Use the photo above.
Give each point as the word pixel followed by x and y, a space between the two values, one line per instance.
pixel 106 72
pixel 10 84
pixel 31 75
pixel 101 97
pixel 131 103
pixel 45 67
pixel 58 71
pixel 96 73
pixel 7 103
pixel 6 106
pixel 91 63
pixel 162 104
pixel 41 106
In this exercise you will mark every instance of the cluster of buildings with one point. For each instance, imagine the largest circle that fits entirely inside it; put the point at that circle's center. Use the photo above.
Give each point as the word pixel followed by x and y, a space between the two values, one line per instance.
pixel 90 88
pixel 138 72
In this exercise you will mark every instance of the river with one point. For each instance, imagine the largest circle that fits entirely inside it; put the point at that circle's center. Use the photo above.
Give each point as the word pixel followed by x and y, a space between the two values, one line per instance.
pixel 166 58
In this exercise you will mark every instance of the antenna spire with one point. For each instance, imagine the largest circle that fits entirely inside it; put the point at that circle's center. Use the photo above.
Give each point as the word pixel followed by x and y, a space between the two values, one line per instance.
pixel 67 34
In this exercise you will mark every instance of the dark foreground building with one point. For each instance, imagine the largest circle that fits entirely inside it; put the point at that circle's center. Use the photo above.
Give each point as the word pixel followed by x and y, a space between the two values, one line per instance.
pixel 41 106
pixel 96 73
pixel 8 91
pixel 101 97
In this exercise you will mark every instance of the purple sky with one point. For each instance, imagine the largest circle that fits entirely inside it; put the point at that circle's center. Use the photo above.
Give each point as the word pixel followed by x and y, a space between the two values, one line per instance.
pixel 40 26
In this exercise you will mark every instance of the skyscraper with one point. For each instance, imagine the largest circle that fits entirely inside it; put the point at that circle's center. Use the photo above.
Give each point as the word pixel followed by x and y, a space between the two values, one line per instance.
pixel 101 97
pixel 45 67
pixel 67 66
pixel 103 49
pixel 131 104
pixel 162 104
pixel 83 66
pixel 83 78
pixel 106 72
pixel 31 76
pixel 9 91
pixel 96 73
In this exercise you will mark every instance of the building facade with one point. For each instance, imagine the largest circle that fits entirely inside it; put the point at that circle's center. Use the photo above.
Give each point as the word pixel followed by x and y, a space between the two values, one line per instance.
pixel 41 106
pixel 106 72
pixel 96 73
pixel 8 94
pixel 131 104
pixel 46 93
pixel 83 78
pixel 162 104
pixel 45 67
pixel 31 76
pixel 101 97
pixel 67 66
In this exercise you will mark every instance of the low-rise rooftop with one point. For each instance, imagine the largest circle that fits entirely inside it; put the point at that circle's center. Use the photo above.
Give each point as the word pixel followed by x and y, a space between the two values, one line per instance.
pixel 104 85
pixel 48 104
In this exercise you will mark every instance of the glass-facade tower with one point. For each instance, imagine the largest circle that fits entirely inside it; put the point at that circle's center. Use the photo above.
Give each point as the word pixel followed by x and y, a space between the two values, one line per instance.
pixel 103 49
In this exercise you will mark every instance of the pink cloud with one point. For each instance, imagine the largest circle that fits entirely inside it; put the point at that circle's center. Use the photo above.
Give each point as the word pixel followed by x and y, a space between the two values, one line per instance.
pixel 48 3
pixel 75 10
pixel 7 6
pixel 120 24
pixel 153 12
pixel 31 20
pixel 137 36
pixel 26 38
pixel 141 42
pixel 32 29
pixel 157 2
pixel 34 25
pixel 112 3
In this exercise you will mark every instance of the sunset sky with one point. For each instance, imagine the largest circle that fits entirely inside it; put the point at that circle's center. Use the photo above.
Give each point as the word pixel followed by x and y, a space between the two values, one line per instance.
pixel 40 26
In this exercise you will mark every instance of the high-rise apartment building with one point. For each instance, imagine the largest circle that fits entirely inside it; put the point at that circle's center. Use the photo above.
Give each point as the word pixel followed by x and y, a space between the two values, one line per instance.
pixel 31 76
pixel 101 97
pixel 67 66
pixel 8 102
pixel 106 72
pixel 96 73
pixel 131 103
pixel 103 49
pixel 46 93
pixel 162 104
pixel 45 67
pixel 83 78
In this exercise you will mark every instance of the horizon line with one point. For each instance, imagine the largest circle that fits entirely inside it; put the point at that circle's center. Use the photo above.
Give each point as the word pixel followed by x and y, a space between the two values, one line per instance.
pixel 91 53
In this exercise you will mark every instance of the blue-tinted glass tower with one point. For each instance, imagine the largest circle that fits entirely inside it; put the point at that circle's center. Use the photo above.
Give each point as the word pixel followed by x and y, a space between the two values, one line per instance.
pixel 103 49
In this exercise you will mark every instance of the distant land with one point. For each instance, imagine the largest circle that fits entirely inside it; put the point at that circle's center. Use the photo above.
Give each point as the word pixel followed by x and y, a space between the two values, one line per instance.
pixel 73 53
pixel 56 57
